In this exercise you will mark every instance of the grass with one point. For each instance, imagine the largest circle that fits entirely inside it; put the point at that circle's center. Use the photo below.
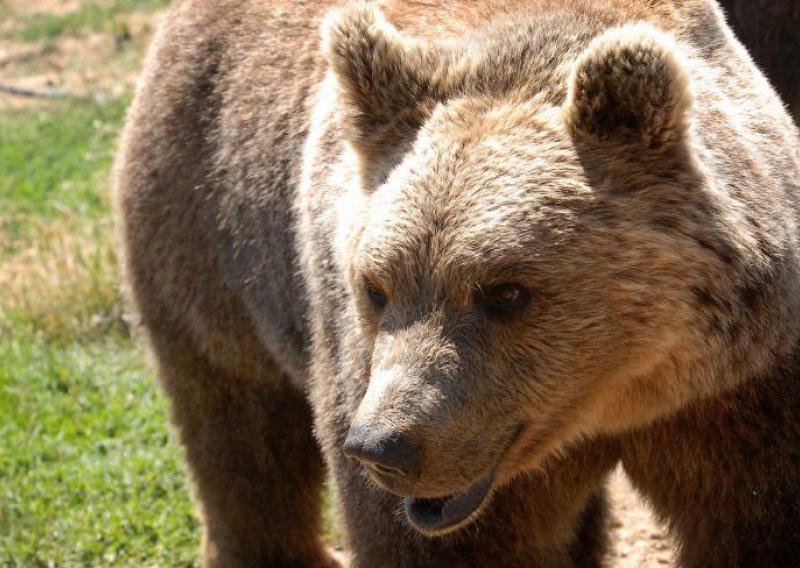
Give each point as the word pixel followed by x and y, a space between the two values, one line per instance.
pixel 89 17
pixel 88 473
pixel 54 161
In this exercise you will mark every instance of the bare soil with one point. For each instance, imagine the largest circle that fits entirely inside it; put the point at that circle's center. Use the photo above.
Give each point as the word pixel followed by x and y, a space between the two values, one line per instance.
pixel 638 539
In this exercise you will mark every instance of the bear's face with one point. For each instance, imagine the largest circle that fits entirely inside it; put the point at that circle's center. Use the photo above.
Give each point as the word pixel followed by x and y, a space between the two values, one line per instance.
pixel 509 277
pixel 504 296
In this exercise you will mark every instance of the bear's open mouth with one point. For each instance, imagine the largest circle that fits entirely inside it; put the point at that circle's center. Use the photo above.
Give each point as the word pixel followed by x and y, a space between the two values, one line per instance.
pixel 442 514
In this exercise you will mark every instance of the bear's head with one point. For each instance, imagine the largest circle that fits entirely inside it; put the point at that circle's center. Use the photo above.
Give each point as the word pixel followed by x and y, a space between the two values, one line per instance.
pixel 526 249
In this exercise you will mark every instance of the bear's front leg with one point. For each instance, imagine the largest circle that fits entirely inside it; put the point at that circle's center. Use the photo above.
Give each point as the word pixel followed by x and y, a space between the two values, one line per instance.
pixel 256 466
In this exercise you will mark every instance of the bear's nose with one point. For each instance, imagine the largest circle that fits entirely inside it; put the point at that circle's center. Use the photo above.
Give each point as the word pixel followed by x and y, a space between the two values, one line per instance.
pixel 387 453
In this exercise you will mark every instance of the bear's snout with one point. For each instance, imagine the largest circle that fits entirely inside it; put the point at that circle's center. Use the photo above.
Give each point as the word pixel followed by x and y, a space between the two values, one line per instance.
pixel 389 455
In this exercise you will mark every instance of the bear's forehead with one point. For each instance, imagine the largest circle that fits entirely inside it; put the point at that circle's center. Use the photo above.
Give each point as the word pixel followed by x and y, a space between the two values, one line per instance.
pixel 477 189
pixel 474 243
pixel 482 231
pixel 486 187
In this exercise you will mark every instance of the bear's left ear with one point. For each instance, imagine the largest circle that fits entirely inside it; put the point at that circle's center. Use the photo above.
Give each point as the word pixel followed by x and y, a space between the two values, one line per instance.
pixel 384 75
pixel 629 86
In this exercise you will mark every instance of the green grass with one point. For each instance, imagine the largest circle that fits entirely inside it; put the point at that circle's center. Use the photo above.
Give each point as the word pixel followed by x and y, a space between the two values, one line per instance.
pixel 90 17
pixel 88 473
pixel 52 164
pixel 89 476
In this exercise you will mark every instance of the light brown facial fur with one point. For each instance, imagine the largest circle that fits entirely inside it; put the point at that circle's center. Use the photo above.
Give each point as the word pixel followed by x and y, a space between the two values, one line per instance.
pixel 324 229
pixel 425 245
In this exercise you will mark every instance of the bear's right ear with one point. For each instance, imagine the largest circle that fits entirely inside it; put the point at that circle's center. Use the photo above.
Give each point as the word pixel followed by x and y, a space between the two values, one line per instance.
pixel 630 87
pixel 384 76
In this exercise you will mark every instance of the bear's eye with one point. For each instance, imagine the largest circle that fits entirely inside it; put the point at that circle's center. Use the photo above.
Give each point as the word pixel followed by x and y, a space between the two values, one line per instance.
pixel 504 299
pixel 376 297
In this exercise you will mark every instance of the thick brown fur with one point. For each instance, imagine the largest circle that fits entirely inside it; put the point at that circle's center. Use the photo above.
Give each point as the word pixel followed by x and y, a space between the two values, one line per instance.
pixel 624 161
pixel 770 29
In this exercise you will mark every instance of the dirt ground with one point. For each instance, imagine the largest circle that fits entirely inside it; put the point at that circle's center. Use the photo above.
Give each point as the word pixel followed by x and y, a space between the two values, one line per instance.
pixel 637 538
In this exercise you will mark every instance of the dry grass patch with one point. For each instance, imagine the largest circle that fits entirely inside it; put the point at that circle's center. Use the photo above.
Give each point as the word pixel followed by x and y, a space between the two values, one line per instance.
pixel 65 287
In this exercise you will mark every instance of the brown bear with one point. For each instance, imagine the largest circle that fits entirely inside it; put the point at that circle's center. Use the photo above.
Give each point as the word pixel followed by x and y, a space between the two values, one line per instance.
pixel 770 29
pixel 468 256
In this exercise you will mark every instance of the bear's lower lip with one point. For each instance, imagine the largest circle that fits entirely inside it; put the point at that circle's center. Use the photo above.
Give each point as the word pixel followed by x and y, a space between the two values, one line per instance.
pixel 441 514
